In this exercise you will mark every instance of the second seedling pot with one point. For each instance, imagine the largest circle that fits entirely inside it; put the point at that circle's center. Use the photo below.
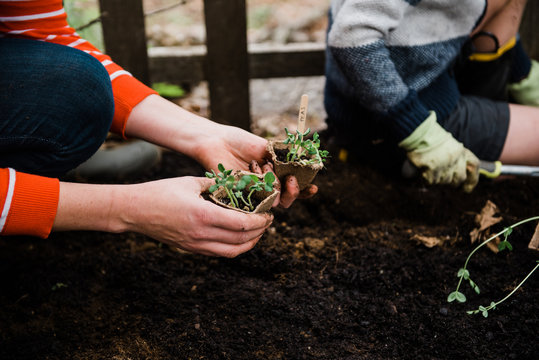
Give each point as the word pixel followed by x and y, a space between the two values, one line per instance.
pixel 304 173
pixel 265 198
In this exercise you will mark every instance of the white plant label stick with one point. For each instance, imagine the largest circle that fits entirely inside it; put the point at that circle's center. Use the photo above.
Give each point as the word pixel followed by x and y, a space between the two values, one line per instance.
pixel 302 113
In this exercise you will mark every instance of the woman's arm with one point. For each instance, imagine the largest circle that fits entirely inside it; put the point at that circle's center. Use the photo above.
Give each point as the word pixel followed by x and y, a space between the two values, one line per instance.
pixel 162 122
pixel 171 211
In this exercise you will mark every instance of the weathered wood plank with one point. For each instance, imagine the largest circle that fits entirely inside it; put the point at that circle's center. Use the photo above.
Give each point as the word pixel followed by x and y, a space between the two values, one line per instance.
pixel 124 35
pixel 299 59
pixel 227 68
pixel 529 29
pixel 187 64
pixel 177 64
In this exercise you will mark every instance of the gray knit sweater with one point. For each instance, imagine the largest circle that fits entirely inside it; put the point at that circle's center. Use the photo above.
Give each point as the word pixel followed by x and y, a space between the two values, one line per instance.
pixel 391 57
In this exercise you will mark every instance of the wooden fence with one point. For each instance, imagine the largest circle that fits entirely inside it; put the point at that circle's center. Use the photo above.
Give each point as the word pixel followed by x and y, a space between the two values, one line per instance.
pixel 227 62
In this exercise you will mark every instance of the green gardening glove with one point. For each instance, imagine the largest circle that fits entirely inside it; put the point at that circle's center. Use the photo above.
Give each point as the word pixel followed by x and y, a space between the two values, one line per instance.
pixel 440 157
pixel 526 92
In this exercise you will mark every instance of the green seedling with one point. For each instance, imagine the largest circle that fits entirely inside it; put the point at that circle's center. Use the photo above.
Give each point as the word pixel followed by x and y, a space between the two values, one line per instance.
pixel 304 151
pixel 239 191
pixel 464 274
pixel 58 286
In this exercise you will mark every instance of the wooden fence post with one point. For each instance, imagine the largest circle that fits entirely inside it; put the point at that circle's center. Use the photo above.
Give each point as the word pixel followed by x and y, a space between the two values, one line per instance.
pixel 227 67
pixel 125 36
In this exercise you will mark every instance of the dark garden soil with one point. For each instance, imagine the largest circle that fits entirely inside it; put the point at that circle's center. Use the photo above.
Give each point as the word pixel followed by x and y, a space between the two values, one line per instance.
pixel 338 276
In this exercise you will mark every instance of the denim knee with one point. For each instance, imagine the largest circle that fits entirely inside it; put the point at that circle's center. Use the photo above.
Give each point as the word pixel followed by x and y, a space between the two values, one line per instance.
pixel 56 109
pixel 90 111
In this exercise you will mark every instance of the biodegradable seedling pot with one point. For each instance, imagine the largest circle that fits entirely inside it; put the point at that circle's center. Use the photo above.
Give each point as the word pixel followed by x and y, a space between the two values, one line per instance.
pixel 264 198
pixel 304 173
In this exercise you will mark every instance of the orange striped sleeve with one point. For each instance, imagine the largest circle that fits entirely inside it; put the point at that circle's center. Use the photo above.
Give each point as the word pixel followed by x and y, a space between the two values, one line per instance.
pixel 46 20
pixel 28 203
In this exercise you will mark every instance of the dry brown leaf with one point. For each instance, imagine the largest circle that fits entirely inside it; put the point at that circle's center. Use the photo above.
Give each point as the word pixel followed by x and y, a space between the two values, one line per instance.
pixel 493 245
pixel 314 244
pixel 484 220
pixel 428 241
pixel 534 242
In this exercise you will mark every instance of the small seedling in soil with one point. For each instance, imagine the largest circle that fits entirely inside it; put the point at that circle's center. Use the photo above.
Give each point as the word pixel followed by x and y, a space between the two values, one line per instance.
pixel 239 191
pixel 58 286
pixel 297 155
pixel 464 275
pixel 302 150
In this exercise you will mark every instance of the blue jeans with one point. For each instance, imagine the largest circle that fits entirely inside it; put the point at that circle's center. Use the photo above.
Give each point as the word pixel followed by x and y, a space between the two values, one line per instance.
pixel 56 106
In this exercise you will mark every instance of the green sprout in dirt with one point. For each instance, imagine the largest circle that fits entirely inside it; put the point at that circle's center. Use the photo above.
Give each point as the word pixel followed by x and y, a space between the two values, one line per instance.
pixel 239 191
pixel 464 275
pixel 304 151
pixel 58 286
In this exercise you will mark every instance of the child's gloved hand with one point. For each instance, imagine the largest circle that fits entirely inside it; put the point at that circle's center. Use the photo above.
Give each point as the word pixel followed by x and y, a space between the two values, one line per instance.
pixel 440 157
pixel 526 92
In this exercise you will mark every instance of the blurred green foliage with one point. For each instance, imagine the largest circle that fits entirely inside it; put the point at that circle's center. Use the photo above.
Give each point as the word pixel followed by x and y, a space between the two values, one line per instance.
pixel 168 90
pixel 81 12
pixel 258 16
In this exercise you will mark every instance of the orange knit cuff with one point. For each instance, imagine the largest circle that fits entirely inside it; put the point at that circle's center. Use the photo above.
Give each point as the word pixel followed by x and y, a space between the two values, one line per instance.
pixel 33 206
pixel 128 92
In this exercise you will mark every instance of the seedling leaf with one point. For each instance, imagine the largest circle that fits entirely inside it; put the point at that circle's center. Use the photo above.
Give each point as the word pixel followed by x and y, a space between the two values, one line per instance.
pixel 57 286
pixel 269 178
pixel 240 185
pixel 456 295
pixel 235 188
pixel 463 273
pixel 304 151
pixel 505 245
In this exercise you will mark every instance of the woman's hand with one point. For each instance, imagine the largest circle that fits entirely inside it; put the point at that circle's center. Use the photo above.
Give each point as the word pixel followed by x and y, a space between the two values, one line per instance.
pixel 171 211
pixel 166 124
pixel 238 149
pixel 235 148
pixel 291 186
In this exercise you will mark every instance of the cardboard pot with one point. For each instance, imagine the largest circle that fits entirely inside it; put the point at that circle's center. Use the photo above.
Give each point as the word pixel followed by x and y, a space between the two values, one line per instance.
pixel 266 198
pixel 304 173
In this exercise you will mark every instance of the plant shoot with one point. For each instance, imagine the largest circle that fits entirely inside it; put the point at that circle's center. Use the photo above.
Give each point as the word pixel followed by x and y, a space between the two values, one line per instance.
pixel 304 151
pixel 464 275
pixel 239 191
